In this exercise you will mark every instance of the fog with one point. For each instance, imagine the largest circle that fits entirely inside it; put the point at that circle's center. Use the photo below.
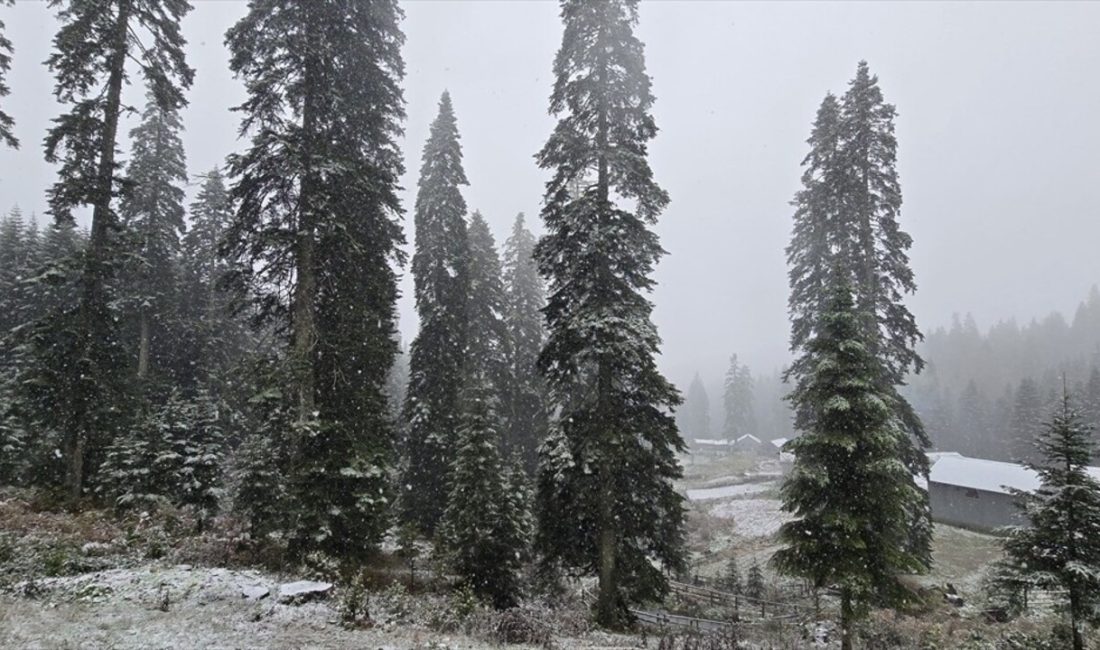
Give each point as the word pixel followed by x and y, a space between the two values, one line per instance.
pixel 998 129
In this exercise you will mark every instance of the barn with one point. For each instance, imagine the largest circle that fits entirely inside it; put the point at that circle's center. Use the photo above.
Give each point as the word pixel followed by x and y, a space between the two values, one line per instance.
pixel 976 493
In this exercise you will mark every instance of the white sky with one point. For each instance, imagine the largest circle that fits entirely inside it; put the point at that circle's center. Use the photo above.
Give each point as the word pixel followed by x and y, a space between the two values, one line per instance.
pixel 998 129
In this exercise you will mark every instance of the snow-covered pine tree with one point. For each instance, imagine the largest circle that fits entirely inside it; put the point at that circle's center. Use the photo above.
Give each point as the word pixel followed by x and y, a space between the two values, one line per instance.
pixel 1060 550
pixel 482 528
pixel 693 418
pixel 879 258
pixel 202 449
pixel 258 469
pixel 849 491
pixel 313 241
pixel 487 342
pixel 435 363
pixel 525 297
pixel 810 252
pixel 848 210
pixel 146 465
pixel 13 272
pixel 754 581
pixel 76 379
pixel 7 123
pixel 738 400
pixel 606 503
pixel 152 214
pixel 731 576
pixel 215 341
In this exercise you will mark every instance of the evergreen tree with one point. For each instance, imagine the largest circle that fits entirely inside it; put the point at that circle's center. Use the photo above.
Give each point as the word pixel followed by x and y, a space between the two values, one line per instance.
pixel 1026 421
pixel 202 449
pixel 849 492
pixel 435 365
pixel 313 241
pixel 13 272
pixel 693 418
pixel 76 381
pixel 482 525
pixel 1061 548
pixel 259 467
pixel 754 583
pixel 524 299
pixel 738 401
pixel 152 212
pixel 213 338
pixel 813 241
pixel 7 124
pixel 848 211
pixel 487 343
pixel 173 455
pixel 606 503
pixel 731 578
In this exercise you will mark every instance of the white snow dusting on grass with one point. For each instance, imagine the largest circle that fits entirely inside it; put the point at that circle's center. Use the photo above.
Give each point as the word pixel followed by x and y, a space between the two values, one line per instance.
pixel 752 517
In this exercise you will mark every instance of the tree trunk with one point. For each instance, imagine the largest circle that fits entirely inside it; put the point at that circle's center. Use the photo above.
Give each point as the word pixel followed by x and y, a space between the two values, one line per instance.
pixel 304 324
pixel 607 605
pixel 846 619
pixel 143 346
pixel 1075 619
pixel 93 303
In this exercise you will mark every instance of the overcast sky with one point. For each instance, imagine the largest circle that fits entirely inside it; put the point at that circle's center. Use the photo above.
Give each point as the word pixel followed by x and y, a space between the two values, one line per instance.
pixel 998 130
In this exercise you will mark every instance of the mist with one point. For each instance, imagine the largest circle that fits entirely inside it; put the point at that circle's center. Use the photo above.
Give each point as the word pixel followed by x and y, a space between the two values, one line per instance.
pixel 996 130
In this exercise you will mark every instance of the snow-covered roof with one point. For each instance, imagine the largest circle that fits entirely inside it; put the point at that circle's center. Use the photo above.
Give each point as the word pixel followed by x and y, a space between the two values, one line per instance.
pixel 749 438
pixel 987 475
pixel 710 441
pixel 779 442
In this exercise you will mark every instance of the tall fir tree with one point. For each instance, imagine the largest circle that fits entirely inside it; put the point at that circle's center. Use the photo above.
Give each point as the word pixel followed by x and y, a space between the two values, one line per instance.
pixel 738 401
pixel 483 526
pixel 313 241
pixel 849 492
pixel 214 339
pixel 1060 550
pixel 848 210
pixel 153 216
pixel 606 503
pixel 487 342
pixel 693 418
pixel 76 382
pixel 525 296
pixel 439 268
pixel 7 123
pixel 14 269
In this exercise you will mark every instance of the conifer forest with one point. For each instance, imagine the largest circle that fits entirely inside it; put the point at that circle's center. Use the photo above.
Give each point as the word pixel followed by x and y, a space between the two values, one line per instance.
pixel 430 325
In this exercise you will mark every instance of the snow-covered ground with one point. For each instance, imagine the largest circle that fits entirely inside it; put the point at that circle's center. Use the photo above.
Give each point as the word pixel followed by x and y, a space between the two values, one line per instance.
pixel 752 517
pixel 727 491
pixel 177 606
